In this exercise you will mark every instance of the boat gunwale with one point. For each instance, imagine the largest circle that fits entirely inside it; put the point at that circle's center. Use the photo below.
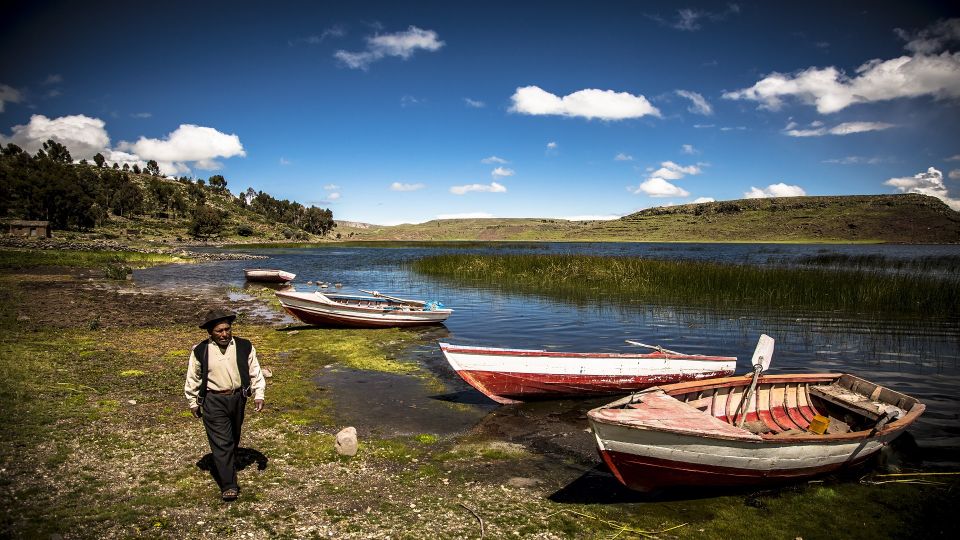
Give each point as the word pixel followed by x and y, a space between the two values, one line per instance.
pixel 495 351
pixel 337 306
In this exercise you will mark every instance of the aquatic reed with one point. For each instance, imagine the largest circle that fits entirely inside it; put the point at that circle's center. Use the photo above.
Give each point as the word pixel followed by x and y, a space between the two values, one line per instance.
pixel 583 278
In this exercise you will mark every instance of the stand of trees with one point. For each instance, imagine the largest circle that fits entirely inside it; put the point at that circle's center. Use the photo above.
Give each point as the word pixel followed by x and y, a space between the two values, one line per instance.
pixel 50 187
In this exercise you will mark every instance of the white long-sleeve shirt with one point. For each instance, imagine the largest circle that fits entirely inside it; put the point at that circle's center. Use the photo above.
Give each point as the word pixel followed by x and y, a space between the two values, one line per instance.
pixel 222 372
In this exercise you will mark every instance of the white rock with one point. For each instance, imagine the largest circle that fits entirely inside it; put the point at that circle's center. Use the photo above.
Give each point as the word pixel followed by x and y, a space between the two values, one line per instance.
pixel 346 444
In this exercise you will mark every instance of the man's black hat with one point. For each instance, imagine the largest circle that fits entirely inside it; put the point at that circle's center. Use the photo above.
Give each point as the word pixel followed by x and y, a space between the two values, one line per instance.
pixel 216 315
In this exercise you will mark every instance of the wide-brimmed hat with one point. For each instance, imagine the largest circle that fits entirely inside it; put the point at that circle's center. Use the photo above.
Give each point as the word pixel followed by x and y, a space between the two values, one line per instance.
pixel 216 315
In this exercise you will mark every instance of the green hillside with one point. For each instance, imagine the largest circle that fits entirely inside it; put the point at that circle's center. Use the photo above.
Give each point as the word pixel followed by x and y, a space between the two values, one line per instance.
pixel 906 218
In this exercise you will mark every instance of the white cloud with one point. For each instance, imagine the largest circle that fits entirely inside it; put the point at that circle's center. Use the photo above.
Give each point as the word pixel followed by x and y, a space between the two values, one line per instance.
pixel 704 126
pixel 671 171
pixel 689 149
pixel 623 157
pixel 658 187
pixel 492 187
pixel 775 190
pixel 933 38
pixel 284 161
pixel 141 115
pixel 588 103
pixel 187 143
pixel 846 128
pixel 831 90
pixel 926 183
pixel 704 200
pixel 858 160
pixel 551 145
pixel 953 158
pixel 399 44
pixel 466 215
pixel 954 174
pixel 493 159
pixel 698 104
pixel 333 196
pixel 208 164
pixel 83 136
pixel 398 186
pixel 476 104
pixel 9 94
pixel 502 172
pixel 330 187
pixel 53 78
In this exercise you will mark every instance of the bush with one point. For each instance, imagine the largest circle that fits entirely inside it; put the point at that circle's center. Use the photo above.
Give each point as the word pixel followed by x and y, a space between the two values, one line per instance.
pixel 245 230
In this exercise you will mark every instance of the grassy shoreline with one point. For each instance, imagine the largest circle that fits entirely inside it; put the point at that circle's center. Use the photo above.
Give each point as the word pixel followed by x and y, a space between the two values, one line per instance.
pixel 95 442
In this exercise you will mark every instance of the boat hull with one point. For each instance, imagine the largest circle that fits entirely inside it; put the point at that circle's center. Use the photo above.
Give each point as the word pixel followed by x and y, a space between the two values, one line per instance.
pixel 268 276
pixel 313 312
pixel 514 375
pixel 685 435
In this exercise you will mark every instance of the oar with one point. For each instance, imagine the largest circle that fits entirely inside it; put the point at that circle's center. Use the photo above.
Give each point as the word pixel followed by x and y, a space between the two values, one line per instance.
pixel 394 298
pixel 761 362
pixel 654 347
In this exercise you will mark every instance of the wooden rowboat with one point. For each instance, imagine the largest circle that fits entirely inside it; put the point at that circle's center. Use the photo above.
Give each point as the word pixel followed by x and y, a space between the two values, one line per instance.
pixel 358 311
pixel 268 275
pixel 686 434
pixel 515 375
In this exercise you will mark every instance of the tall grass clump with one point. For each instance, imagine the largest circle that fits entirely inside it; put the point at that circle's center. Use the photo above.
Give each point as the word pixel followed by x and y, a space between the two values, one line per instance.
pixel 79 259
pixel 697 283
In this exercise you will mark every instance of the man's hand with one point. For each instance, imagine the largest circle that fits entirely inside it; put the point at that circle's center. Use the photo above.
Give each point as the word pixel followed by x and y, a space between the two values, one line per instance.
pixel 258 405
pixel 196 411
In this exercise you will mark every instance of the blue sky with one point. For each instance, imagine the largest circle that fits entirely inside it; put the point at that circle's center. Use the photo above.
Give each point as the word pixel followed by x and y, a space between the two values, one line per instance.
pixel 392 112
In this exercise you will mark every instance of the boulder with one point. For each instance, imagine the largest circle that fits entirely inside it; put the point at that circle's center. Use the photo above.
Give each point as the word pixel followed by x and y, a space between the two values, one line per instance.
pixel 346 444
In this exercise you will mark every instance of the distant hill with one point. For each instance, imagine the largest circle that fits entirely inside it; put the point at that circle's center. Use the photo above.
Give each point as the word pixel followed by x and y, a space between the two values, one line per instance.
pixel 907 218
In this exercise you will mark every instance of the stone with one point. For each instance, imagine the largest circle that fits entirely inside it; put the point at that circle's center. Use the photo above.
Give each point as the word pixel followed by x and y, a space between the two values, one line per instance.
pixel 346 444
pixel 521 482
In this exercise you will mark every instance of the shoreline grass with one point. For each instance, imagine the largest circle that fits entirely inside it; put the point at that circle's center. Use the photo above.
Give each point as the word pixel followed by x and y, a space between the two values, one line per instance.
pixel 582 278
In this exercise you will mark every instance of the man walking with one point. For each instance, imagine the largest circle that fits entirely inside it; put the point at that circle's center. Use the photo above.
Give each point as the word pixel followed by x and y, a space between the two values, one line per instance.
pixel 222 373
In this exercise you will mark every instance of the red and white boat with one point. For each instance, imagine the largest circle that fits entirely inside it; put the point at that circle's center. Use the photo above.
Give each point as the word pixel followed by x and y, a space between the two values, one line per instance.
pixel 268 275
pixel 358 311
pixel 515 375
pixel 687 434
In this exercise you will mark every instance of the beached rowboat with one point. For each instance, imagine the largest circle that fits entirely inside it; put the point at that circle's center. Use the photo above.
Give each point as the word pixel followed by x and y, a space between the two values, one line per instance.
pixel 268 275
pixel 515 375
pixel 686 434
pixel 359 311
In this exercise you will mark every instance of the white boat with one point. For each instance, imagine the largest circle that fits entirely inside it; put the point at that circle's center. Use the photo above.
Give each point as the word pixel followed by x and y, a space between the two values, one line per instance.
pixel 268 275
pixel 515 375
pixel 372 311
pixel 719 433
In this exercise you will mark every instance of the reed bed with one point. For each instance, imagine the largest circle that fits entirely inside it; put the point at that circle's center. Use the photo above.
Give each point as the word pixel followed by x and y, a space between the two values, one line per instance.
pixel 582 278
pixel 929 263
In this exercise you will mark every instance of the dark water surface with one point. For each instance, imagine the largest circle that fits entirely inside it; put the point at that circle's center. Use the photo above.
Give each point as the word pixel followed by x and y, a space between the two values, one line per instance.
pixel 919 356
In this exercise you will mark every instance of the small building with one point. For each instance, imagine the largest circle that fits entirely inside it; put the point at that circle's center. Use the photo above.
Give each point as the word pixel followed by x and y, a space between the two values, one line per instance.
pixel 32 229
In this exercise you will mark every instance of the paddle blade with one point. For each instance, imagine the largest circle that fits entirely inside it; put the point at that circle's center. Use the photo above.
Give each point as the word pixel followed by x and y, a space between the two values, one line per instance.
pixel 764 353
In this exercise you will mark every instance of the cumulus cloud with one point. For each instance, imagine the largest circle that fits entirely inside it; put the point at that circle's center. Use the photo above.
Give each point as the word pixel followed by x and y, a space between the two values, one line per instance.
pixel 623 157
pixel 658 183
pixel 398 186
pixel 9 94
pixel 830 89
pixel 476 104
pixel 846 128
pixel 188 143
pixel 775 190
pixel 658 187
pixel 704 200
pixel 589 103
pixel 493 159
pixel 502 172
pixel 926 183
pixel 83 136
pixel 698 104
pixel 399 44
pixel 466 215
pixel 492 187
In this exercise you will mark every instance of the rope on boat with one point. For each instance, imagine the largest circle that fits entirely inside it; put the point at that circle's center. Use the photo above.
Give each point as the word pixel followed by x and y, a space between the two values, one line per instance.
pixel 620 527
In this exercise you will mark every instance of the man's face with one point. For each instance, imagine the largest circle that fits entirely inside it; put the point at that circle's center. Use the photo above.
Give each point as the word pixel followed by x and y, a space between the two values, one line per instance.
pixel 221 334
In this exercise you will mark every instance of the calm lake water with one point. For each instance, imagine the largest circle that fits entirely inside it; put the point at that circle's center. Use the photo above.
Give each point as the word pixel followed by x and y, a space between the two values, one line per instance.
pixel 919 356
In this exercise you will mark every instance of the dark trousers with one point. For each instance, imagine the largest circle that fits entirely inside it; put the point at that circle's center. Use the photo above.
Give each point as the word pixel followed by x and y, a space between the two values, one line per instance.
pixel 223 418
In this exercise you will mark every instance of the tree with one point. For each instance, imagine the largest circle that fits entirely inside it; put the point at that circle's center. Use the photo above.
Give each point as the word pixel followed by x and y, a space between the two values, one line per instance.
pixel 318 221
pixel 136 168
pixel 55 151
pixel 99 160
pixel 206 222
pixel 126 166
pixel 218 183
pixel 152 168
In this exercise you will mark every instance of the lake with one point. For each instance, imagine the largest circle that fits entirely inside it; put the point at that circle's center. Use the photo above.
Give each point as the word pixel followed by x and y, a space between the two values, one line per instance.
pixel 919 356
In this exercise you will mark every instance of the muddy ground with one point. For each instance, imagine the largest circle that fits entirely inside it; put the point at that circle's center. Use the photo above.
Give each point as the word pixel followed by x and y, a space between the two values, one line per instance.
pixel 95 440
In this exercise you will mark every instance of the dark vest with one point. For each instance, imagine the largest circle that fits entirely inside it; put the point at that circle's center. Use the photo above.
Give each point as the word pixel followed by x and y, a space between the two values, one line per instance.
pixel 244 347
